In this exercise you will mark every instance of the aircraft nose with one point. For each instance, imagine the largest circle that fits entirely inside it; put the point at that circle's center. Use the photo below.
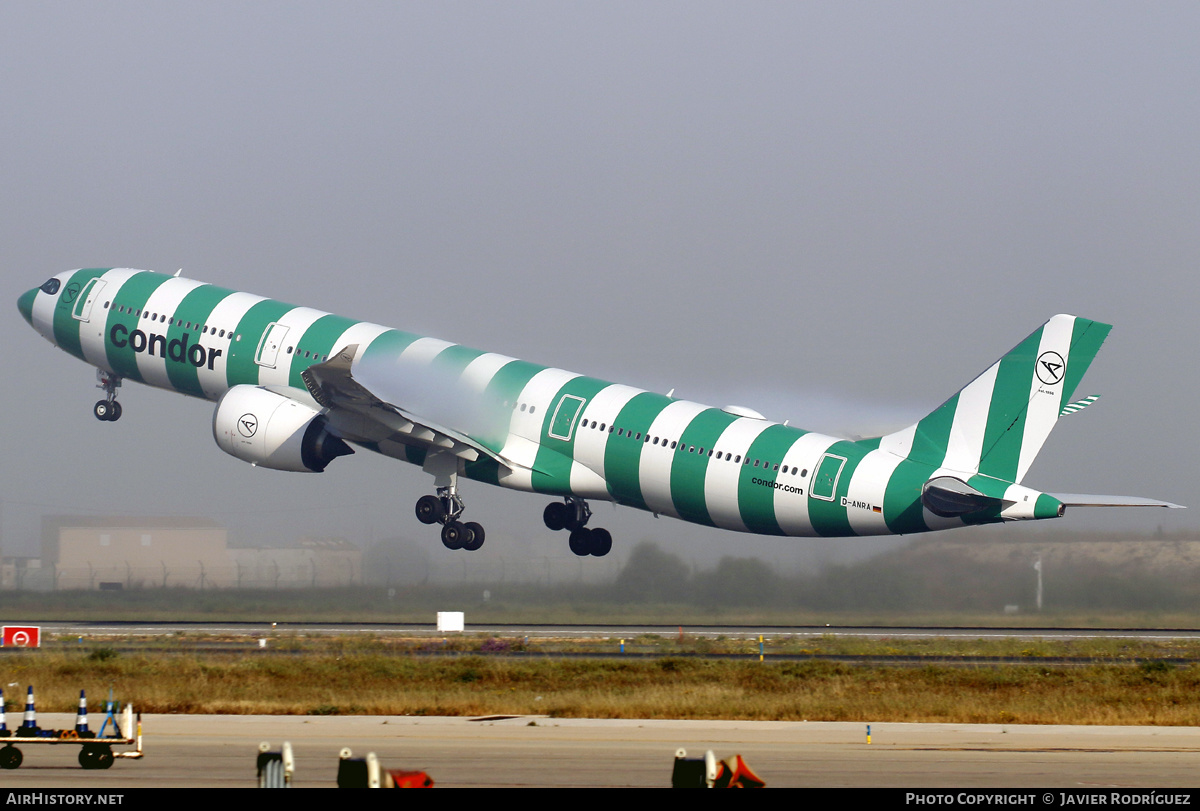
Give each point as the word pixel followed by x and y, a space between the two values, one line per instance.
pixel 25 304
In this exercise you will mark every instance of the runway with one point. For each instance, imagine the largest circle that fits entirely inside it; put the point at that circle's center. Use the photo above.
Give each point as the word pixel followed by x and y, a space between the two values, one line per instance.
pixel 251 630
pixel 532 751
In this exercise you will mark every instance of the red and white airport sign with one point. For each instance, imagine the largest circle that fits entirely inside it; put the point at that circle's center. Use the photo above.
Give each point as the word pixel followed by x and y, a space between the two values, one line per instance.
pixel 22 636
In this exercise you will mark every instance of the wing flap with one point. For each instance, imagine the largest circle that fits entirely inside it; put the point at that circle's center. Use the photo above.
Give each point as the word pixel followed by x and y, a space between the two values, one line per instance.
pixel 333 386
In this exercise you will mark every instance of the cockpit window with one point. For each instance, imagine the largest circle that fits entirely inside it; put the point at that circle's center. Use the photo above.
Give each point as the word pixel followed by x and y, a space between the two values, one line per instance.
pixel 51 286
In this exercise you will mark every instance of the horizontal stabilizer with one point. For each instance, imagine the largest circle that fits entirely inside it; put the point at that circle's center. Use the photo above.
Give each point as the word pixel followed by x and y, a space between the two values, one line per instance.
pixel 1078 405
pixel 1087 500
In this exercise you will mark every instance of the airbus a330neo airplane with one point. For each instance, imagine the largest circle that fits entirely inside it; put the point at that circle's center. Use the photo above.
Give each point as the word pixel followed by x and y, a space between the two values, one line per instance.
pixel 294 386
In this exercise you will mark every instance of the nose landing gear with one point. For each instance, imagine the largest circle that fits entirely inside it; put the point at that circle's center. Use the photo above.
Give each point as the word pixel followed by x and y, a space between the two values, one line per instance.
pixel 108 409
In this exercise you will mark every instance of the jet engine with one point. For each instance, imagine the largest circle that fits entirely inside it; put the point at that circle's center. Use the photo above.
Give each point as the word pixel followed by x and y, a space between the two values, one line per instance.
pixel 271 430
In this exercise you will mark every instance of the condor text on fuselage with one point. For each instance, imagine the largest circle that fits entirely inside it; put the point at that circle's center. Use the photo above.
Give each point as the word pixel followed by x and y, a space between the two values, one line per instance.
pixel 177 349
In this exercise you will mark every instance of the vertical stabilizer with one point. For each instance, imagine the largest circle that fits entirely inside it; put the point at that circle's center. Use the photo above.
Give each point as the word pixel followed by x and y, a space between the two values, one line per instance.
pixel 998 422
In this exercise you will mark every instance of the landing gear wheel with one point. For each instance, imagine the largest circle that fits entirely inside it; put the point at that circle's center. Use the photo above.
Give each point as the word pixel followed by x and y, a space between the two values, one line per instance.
pixel 454 535
pixel 102 410
pixel 581 542
pixel 116 411
pixel 477 536
pixel 430 510
pixel 601 542
pixel 11 758
pixel 556 516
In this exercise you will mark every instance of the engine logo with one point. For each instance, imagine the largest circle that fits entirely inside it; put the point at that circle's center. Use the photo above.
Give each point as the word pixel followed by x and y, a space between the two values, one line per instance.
pixel 247 425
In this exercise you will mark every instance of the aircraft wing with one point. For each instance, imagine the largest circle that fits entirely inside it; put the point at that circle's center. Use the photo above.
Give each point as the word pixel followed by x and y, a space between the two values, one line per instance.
pixel 354 406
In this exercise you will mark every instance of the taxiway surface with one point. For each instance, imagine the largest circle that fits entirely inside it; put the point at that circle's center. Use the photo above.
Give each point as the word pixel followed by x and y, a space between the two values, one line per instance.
pixel 220 751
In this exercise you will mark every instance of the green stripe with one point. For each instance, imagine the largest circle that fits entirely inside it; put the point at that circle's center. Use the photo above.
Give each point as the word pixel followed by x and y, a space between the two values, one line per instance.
pixel 829 517
pixel 501 392
pixel 1086 339
pixel 1047 506
pixel 757 501
pixel 317 340
pixel 688 469
pixel 623 454
pixel 389 344
pixel 902 508
pixel 552 468
pixel 453 360
pixel 196 308
pixel 1005 431
pixel 66 326
pixel 504 391
pixel 240 367
pixel 134 294
pixel 932 436
pixel 992 487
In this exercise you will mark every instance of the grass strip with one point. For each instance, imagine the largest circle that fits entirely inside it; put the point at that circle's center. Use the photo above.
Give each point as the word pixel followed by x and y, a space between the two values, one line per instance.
pixel 1153 693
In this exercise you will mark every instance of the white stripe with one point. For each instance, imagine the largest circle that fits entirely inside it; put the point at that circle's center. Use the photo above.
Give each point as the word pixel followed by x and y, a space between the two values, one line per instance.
pixel 362 333
pixel 791 513
pixel 655 462
pixel 43 308
pixel 163 301
pixel 525 426
pixel 297 320
pixel 899 443
pixel 603 408
pixel 93 336
pixel 1045 400
pixel 226 316
pixel 480 371
pixel 869 485
pixel 418 355
pixel 965 444
pixel 721 481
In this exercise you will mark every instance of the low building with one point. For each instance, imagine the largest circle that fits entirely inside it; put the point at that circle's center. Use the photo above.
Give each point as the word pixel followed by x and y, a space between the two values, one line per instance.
pixel 135 552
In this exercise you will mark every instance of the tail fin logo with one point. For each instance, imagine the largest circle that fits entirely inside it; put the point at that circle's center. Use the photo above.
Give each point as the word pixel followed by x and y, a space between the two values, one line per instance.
pixel 1051 367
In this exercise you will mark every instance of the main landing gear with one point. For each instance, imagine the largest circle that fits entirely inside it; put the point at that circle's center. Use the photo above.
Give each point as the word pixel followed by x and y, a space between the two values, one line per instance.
pixel 445 509
pixel 108 409
pixel 573 513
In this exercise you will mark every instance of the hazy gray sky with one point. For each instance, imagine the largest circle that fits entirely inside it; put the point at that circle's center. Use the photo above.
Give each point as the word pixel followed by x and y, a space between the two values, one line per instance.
pixel 835 213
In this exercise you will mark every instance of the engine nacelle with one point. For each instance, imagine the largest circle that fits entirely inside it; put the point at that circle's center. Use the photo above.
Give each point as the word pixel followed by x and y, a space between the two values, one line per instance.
pixel 270 430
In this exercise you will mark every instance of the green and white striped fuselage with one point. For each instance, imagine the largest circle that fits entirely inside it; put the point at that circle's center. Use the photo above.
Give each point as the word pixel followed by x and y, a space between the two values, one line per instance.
pixel 563 433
